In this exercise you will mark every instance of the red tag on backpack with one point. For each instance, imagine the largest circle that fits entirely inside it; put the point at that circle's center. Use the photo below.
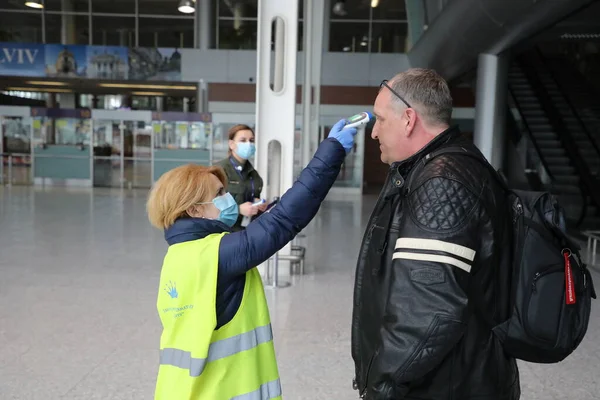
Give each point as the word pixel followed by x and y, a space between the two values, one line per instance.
pixel 570 287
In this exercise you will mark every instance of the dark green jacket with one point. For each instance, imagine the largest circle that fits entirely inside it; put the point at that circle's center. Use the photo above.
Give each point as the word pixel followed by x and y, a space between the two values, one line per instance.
pixel 244 183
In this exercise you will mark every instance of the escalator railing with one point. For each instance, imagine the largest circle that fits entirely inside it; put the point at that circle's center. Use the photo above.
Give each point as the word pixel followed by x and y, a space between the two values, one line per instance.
pixel 537 172
pixel 574 110
pixel 530 65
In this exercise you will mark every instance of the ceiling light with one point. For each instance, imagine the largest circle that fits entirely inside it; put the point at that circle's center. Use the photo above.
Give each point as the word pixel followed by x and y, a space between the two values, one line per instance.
pixel 47 83
pixel 374 3
pixel 186 6
pixel 34 4
pixel 148 93
pixel 140 86
pixel 30 89
pixel 339 8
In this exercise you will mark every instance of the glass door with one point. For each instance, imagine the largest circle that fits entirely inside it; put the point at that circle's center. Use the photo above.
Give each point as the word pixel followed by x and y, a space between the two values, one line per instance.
pixel 15 133
pixel 108 153
pixel 137 150
pixel 123 148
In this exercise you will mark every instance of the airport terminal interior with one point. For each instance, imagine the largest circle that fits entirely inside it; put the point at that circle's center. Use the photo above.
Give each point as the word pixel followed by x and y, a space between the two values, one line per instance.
pixel 100 98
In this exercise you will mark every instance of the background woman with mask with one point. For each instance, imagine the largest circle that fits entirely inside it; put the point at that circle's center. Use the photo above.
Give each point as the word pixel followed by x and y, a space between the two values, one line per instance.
pixel 243 181
pixel 217 341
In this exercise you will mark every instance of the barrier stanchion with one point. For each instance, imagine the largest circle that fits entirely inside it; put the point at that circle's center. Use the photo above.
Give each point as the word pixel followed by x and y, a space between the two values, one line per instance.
pixel 10 167
pixel 273 282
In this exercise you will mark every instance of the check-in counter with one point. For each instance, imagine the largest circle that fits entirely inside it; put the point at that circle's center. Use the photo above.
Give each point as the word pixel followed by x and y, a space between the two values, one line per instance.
pixel 67 163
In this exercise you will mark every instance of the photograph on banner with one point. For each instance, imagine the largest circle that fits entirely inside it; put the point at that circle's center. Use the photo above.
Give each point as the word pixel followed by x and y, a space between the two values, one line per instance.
pixel 22 59
pixel 107 62
pixel 154 64
pixel 66 61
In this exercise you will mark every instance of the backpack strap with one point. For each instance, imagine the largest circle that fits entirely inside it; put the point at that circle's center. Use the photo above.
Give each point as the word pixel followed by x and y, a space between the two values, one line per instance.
pixel 474 288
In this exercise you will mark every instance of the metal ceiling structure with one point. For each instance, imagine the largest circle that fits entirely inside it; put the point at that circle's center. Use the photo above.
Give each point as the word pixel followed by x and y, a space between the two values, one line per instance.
pixel 466 28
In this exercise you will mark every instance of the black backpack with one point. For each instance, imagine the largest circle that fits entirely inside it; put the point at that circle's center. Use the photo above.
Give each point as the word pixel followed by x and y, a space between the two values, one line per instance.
pixel 551 286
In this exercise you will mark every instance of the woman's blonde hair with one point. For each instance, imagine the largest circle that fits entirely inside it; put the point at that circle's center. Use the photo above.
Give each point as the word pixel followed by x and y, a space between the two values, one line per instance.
pixel 179 189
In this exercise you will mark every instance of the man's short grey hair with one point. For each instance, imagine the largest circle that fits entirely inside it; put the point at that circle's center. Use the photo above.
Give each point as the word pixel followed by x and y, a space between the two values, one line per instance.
pixel 427 92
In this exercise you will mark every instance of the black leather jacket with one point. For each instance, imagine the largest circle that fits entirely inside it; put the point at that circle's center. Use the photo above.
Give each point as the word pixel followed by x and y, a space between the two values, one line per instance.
pixel 435 238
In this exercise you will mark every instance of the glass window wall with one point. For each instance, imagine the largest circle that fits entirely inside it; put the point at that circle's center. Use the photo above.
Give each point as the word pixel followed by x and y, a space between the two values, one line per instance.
pixel 376 26
pixel 355 25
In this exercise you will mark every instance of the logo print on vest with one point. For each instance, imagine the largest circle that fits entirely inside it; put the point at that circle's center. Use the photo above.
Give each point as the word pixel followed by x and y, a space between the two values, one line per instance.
pixel 171 290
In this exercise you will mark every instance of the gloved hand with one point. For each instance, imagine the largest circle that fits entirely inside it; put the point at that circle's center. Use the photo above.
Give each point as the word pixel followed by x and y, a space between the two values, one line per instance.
pixel 344 136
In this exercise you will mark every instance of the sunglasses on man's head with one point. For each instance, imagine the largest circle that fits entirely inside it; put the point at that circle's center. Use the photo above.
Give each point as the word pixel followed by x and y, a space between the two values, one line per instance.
pixel 385 83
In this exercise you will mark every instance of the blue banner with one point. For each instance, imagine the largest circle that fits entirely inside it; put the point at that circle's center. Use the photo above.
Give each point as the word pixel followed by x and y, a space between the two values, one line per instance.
pixel 22 59
pixel 92 62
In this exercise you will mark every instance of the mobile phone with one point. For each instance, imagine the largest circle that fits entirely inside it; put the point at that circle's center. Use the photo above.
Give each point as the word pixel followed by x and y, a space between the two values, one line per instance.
pixel 273 203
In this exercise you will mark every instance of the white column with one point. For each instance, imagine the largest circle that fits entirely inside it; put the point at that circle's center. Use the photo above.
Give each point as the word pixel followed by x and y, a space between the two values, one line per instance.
pixel 160 103
pixel 202 97
pixel 275 108
pixel 315 42
pixel 490 107
pixel 326 16
pixel 204 19
pixel 307 84
pixel 68 100
pixel 321 17
pixel 67 31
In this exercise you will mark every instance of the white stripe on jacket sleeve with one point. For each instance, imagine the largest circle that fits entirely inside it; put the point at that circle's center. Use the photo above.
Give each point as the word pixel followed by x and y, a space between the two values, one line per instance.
pixel 447 252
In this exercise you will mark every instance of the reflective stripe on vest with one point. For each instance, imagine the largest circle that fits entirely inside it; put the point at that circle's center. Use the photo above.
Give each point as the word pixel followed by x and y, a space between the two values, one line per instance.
pixel 217 350
pixel 270 390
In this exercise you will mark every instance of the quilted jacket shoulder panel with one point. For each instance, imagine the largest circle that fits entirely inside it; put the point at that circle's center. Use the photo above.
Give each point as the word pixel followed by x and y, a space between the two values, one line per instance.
pixel 446 192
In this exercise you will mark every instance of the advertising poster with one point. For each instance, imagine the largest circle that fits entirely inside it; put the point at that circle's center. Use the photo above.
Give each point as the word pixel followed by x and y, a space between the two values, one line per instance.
pixel 22 59
pixel 66 61
pixel 154 64
pixel 107 62
pixel 92 62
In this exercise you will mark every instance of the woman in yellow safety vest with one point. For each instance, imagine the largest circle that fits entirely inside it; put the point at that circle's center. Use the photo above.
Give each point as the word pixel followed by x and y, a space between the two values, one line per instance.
pixel 217 342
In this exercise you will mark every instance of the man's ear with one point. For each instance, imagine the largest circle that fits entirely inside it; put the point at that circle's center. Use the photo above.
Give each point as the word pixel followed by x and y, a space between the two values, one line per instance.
pixel 411 121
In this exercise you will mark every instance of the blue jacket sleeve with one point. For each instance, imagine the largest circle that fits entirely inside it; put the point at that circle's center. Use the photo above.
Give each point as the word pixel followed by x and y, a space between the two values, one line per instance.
pixel 244 250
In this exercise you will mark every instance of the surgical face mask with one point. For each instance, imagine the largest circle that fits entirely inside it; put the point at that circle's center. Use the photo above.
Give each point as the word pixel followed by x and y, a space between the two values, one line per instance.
pixel 228 209
pixel 245 149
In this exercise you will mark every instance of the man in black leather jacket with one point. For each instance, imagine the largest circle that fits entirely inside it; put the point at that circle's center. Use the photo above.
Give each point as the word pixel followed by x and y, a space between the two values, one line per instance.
pixel 433 259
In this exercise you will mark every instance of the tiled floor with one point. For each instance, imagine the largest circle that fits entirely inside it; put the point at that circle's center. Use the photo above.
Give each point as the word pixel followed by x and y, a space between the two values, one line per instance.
pixel 78 280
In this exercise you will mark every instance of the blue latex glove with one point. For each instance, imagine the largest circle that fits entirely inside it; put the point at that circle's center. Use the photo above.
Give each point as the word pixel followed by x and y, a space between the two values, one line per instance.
pixel 344 136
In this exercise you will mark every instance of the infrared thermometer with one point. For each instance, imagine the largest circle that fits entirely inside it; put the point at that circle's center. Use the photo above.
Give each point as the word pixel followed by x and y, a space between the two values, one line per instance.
pixel 258 203
pixel 358 120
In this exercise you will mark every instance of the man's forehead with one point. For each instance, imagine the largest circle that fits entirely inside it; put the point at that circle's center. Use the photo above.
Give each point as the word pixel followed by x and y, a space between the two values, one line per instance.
pixel 382 100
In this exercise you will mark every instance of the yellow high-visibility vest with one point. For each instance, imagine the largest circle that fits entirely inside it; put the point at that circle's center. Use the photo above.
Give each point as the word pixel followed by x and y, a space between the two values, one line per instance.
pixel 235 362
